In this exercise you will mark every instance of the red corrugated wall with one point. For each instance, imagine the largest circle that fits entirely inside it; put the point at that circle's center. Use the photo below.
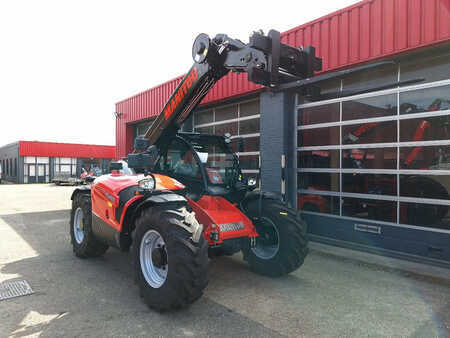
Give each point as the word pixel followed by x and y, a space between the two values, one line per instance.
pixel 368 30
pixel 51 149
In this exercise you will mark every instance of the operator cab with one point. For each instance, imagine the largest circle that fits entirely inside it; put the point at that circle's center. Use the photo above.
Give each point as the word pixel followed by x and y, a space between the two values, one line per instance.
pixel 205 164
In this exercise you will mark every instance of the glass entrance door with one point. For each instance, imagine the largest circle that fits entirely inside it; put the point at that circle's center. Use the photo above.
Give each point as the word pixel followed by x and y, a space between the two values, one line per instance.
pixel 41 173
pixel 31 173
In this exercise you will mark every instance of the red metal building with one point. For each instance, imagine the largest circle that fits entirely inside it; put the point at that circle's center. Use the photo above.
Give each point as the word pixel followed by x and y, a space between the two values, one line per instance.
pixel 369 171
pixel 364 32
pixel 55 149
pixel 39 162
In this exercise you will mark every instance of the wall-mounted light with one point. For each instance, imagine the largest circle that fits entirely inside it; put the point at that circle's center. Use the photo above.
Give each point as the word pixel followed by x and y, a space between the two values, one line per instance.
pixel 118 115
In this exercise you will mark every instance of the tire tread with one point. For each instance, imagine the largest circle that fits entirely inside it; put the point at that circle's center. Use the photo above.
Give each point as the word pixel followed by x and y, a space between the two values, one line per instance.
pixel 188 261
pixel 90 247
pixel 293 233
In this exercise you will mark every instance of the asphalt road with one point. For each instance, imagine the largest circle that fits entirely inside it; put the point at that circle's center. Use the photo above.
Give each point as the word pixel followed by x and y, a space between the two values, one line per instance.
pixel 328 296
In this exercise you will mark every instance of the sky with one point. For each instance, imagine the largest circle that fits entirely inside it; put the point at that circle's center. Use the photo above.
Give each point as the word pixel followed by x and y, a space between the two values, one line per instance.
pixel 64 64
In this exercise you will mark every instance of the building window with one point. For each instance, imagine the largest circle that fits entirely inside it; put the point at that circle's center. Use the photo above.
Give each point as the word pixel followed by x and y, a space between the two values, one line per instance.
pixel 141 128
pixel 65 165
pixel 432 65
pixel 371 78
pixel 240 120
pixel 382 156
pixel 36 169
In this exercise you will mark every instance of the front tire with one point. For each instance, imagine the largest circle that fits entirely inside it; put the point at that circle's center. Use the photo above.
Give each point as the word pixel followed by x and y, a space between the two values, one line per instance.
pixel 171 268
pixel 282 245
pixel 84 243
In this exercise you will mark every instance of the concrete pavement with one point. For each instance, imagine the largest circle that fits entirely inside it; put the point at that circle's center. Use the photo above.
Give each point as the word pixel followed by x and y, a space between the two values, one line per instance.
pixel 18 198
pixel 330 295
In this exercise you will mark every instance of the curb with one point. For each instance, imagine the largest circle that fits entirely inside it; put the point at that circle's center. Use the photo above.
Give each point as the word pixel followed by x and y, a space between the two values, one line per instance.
pixel 394 265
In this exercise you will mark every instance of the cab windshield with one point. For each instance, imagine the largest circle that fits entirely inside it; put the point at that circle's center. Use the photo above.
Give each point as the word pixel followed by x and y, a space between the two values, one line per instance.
pixel 220 163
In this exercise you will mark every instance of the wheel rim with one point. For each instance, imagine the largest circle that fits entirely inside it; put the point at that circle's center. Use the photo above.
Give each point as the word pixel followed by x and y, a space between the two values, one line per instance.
pixel 154 259
pixel 78 226
pixel 268 241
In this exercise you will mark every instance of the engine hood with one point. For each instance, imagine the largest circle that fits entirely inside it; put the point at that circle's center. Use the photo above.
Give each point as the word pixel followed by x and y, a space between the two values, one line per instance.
pixel 115 183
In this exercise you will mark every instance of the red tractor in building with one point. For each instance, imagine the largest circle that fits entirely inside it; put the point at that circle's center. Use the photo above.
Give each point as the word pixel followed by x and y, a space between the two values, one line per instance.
pixel 414 186
pixel 181 197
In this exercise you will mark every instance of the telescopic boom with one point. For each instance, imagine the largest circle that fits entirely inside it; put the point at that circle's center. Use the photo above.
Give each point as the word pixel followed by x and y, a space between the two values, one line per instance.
pixel 265 59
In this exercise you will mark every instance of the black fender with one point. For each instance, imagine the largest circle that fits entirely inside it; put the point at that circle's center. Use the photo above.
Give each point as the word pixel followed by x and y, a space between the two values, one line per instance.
pixel 255 195
pixel 167 197
pixel 171 198
pixel 85 189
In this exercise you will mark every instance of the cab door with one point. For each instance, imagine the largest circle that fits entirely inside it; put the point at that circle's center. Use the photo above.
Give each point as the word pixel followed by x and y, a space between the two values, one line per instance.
pixel 181 162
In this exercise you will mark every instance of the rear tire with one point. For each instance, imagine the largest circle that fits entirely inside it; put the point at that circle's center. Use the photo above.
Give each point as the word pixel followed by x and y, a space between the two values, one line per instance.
pixel 84 243
pixel 171 269
pixel 282 245
pixel 424 214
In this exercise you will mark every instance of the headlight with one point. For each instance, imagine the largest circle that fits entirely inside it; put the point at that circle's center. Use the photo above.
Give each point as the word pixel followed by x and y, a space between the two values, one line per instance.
pixel 147 183
pixel 251 181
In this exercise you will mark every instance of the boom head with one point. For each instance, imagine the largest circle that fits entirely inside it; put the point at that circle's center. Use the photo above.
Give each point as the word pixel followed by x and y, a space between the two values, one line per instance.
pixel 265 59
